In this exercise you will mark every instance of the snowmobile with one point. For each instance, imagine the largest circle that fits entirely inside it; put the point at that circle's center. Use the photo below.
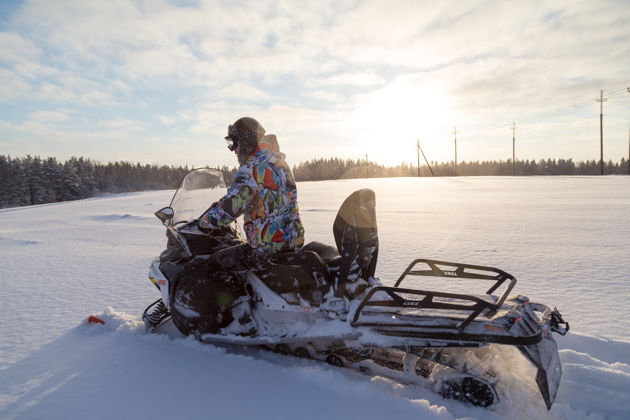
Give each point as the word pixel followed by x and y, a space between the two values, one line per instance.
pixel 324 303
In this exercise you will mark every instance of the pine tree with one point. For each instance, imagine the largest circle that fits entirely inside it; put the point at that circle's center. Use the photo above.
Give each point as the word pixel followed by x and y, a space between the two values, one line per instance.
pixel 19 194
pixel 5 181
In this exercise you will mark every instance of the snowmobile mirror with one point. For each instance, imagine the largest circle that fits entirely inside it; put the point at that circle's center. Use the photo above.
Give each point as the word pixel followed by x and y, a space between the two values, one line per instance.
pixel 165 214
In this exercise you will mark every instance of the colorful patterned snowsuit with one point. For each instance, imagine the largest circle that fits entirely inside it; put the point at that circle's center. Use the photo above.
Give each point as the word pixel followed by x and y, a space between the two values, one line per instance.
pixel 264 192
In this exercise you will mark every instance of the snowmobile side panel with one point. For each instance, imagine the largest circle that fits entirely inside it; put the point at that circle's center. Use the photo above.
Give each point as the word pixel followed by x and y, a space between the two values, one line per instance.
pixel 269 297
pixel 160 280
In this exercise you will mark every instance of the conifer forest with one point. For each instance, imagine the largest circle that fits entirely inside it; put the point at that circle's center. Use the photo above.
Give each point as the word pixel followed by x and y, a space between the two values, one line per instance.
pixel 34 180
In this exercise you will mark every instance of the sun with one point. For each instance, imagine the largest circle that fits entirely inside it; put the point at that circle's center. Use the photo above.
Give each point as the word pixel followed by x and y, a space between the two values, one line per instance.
pixel 392 119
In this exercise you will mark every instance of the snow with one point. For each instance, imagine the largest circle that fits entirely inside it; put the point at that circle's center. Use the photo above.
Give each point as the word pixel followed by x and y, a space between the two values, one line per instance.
pixel 566 239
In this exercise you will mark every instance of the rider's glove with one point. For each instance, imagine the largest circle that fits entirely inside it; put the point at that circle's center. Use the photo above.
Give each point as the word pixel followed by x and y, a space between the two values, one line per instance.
pixel 204 226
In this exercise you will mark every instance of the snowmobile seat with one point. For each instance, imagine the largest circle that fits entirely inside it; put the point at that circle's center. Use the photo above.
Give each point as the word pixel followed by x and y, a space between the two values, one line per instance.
pixel 326 252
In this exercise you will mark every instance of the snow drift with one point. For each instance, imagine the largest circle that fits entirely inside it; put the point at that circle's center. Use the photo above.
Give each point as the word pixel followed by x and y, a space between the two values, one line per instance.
pixel 565 239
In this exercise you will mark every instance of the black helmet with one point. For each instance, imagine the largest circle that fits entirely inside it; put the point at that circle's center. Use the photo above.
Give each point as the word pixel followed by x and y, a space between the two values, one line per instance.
pixel 246 132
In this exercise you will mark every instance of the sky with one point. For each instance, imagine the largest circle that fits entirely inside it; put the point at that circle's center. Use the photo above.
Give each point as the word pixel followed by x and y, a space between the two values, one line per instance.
pixel 158 81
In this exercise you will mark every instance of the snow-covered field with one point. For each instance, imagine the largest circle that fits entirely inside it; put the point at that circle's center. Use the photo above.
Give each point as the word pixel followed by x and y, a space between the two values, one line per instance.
pixel 567 240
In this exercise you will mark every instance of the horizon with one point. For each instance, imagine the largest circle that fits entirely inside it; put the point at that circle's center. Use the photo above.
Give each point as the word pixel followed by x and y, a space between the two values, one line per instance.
pixel 126 81
pixel 623 165
pixel 620 161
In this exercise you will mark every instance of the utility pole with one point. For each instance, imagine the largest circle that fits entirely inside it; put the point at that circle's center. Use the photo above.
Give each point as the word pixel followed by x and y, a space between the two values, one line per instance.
pixel 425 158
pixel 455 134
pixel 513 148
pixel 418 150
pixel 366 166
pixel 601 101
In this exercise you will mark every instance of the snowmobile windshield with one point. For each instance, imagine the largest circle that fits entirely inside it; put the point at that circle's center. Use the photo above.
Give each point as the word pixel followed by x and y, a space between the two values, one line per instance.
pixel 197 191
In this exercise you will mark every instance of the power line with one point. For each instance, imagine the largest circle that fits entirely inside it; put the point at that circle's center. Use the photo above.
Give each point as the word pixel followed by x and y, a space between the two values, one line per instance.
pixel 614 92
pixel 617 91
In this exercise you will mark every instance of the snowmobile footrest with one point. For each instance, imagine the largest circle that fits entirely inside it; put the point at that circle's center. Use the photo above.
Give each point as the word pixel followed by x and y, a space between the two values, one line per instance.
pixel 155 315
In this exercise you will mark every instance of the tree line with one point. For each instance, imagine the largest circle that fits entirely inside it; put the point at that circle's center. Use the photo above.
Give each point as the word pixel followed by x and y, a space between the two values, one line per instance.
pixel 33 180
pixel 335 168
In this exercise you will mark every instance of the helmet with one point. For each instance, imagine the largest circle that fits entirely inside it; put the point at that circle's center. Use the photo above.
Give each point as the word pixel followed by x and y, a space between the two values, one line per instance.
pixel 246 132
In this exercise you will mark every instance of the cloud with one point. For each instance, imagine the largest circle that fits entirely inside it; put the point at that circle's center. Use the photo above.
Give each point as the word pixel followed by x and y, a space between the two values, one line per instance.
pixel 324 95
pixel 151 42
pixel 14 48
pixel 12 86
pixel 166 120
pixel 349 79
pixel 305 67
pixel 123 124
pixel 285 38
pixel 302 132
pixel 48 116
pixel 242 92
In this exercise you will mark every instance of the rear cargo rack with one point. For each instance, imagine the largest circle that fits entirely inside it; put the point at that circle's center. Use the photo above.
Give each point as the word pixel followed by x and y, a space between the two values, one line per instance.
pixel 433 268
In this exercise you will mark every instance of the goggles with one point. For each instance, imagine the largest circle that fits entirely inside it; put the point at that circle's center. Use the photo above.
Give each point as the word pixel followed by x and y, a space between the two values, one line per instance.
pixel 232 138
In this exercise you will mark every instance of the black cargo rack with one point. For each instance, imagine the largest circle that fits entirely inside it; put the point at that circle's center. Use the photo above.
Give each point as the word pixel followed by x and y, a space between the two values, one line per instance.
pixel 475 304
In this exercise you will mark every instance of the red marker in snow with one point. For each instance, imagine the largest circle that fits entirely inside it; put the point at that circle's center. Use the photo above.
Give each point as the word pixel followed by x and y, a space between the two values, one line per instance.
pixel 94 320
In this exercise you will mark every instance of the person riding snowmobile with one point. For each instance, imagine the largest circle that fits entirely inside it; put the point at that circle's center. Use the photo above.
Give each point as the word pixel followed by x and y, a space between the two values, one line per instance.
pixel 264 192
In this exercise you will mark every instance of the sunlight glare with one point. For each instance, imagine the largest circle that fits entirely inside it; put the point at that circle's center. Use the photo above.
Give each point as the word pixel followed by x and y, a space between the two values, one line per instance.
pixel 390 121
